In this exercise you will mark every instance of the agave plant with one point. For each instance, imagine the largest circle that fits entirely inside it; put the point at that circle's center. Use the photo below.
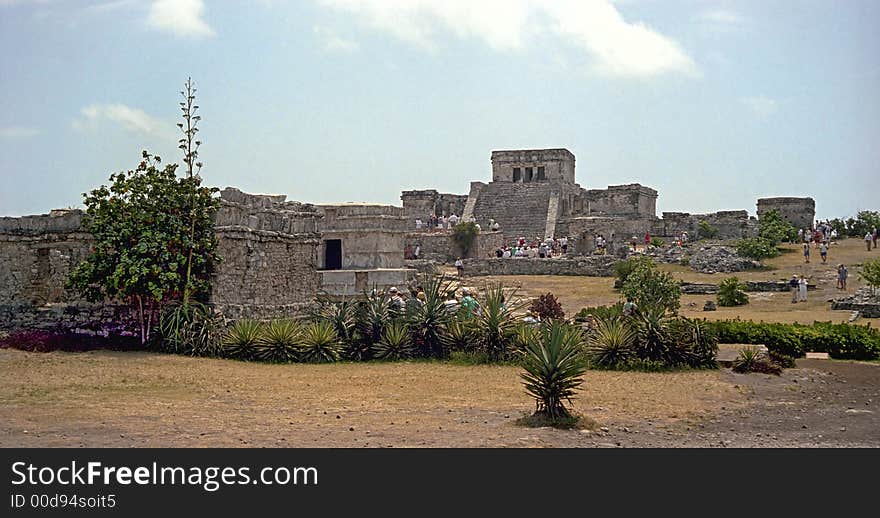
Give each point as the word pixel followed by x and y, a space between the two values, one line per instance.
pixel 460 335
pixel 280 342
pixel 611 343
pixel 523 335
pixel 374 313
pixel 752 359
pixel 396 343
pixel 428 320
pixel 319 343
pixel 190 328
pixel 554 369
pixel 242 338
pixel 496 322
pixel 700 339
pixel 655 341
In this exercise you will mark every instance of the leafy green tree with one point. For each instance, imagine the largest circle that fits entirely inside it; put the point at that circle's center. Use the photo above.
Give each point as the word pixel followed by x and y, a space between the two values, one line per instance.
pixel 775 229
pixel 870 273
pixel 652 288
pixel 463 235
pixel 757 248
pixel 153 240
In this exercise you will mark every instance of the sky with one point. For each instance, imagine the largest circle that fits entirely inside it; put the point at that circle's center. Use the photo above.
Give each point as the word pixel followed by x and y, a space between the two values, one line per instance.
pixel 713 104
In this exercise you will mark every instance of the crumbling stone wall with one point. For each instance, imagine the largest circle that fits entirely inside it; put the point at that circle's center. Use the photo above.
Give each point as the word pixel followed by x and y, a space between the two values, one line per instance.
pixel 422 203
pixel 269 250
pixel 622 200
pixel 730 224
pixel 439 246
pixel 37 254
pixel 590 266
pixel 800 212
pixel 372 235
pixel 558 165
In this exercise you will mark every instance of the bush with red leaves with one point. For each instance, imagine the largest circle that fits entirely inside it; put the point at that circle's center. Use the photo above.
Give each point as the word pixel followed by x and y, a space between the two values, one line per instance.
pixel 547 307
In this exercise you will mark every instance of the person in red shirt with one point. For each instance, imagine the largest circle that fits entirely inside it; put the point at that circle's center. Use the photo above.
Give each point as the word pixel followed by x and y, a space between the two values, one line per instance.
pixel 647 238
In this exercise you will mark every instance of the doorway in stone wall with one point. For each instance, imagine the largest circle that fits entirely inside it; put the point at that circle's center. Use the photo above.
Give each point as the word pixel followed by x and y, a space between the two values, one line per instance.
pixel 333 254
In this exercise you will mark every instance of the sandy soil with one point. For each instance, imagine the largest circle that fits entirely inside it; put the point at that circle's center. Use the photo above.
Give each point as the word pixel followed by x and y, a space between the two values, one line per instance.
pixel 125 399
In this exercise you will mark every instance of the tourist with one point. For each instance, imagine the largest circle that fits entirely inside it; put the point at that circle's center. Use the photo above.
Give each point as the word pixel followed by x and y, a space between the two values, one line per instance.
pixel 800 235
pixel 842 274
pixel 418 251
pixel 806 252
pixel 629 307
pixel 564 244
pixel 684 238
pixel 459 266
pixel 823 251
pixel 451 304
pixel 874 236
pixel 413 303
pixel 542 251
pixel 647 239
pixel 506 253
pixel 793 286
pixel 418 223
pixel 469 305
pixel 453 220
pixel 802 289
pixel 868 239
pixel 499 253
pixel 833 234
pixel 531 320
pixel 397 302
pixel 495 226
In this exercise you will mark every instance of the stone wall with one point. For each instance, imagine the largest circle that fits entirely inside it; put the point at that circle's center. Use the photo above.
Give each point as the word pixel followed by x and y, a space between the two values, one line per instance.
pixel 618 231
pixel 622 200
pixel 438 245
pixel 353 283
pixel 372 235
pixel 590 266
pixel 730 224
pixel 800 212
pixel 424 203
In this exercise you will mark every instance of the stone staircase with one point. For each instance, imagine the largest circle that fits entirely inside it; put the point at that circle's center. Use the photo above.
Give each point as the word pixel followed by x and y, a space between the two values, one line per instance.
pixel 520 209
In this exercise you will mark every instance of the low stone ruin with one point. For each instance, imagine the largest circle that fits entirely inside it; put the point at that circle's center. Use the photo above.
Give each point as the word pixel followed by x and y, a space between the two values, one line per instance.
pixel 864 301
pixel 715 259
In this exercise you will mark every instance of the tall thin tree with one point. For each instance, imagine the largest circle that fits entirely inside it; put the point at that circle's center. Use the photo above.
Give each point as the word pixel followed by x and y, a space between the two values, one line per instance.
pixel 190 146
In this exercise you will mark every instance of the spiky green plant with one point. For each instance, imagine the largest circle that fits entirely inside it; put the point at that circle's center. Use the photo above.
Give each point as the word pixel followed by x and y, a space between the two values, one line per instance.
pixel 280 342
pixel 461 335
pixel 752 359
pixel 319 343
pixel 611 343
pixel 396 343
pixel 496 322
pixel 730 293
pixel 191 328
pixel 700 339
pixel 523 335
pixel 554 369
pixel 428 320
pixel 241 339
pixel 655 340
pixel 374 313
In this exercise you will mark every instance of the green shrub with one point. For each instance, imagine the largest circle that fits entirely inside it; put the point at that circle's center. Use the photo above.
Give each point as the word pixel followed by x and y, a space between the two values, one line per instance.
pixel 757 248
pixel 657 242
pixel 773 228
pixel 656 339
pixel 280 342
pixel 554 369
pixel 651 288
pixel 461 335
pixel 751 359
pixel 495 322
pixel 547 307
pixel 784 361
pixel 242 338
pixel 396 343
pixel 611 344
pixel 622 269
pixel 705 230
pixel 699 338
pixel 731 293
pixel 871 273
pixel 319 343
pixel 601 312
pixel 190 328
pixel 842 341
pixel 428 320
pixel 463 236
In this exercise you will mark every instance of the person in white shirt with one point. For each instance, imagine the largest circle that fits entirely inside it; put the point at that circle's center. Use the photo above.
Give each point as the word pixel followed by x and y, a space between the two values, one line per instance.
pixel 453 220
pixel 802 289
pixel 419 224
pixel 506 254
pixel 868 239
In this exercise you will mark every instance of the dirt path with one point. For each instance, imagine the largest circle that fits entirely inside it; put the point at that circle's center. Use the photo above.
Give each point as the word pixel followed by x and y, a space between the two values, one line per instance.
pixel 116 399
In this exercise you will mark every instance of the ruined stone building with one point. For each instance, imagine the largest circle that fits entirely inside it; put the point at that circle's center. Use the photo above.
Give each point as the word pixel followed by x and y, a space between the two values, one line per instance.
pixel 534 194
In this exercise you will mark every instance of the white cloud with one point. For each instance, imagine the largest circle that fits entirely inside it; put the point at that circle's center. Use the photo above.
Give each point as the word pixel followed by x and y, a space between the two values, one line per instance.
pixel 761 105
pixel 615 46
pixel 17 132
pixel 180 17
pixel 334 42
pixel 132 119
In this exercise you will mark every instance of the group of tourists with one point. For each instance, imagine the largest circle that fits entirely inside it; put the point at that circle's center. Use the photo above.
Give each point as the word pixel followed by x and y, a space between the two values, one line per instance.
pixel 466 304
pixel 871 238
pixel 821 237
pixel 435 222
pixel 538 248
pixel 798 287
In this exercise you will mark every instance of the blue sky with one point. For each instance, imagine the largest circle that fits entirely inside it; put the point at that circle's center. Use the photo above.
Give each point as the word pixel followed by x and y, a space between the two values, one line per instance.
pixel 714 104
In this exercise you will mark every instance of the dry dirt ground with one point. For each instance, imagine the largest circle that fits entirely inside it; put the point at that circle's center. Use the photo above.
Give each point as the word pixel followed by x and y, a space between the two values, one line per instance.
pixel 133 399
pixel 575 293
